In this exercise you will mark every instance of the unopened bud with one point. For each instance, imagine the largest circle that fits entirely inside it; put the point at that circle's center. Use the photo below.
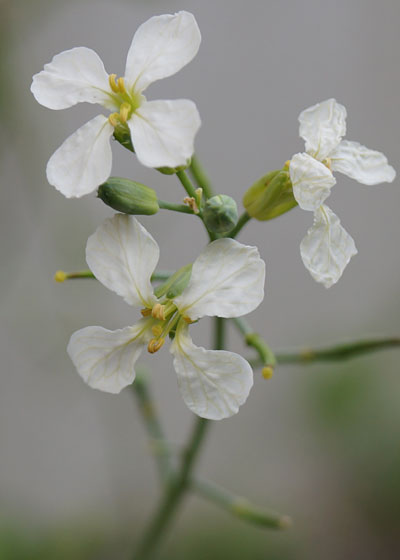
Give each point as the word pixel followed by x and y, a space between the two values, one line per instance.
pixel 128 196
pixel 270 196
pixel 220 213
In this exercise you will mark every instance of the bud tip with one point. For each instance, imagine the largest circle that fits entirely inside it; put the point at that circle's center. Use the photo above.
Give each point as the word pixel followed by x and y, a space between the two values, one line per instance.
pixel 267 372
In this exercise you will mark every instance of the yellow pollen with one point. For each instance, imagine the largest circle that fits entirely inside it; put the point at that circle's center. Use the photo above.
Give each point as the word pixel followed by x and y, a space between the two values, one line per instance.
pixel 124 112
pixel 60 276
pixel 121 85
pixel 267 372
pixel 188 320
pixel 155 345
pixel 145 312
pixel 113 85
pixel 156 330
pixel 158 312
pixel 114 119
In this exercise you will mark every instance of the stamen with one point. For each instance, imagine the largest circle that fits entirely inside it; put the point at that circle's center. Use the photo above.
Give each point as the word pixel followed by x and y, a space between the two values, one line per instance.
pixel 114 119
pixel 121 85
pixel 158 312
pixel 328 163
pixel 188 320
pixel 145 312
pixel 287 163
pixel 190 201
pixel 155 345
pixel 124 111
pixel 157 330
pixel 113 84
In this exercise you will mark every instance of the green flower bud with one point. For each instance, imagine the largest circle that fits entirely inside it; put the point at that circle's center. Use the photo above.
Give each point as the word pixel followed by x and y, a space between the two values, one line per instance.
pixel 128 196
pixel 176 283
pixel 270 196
pixel 220 214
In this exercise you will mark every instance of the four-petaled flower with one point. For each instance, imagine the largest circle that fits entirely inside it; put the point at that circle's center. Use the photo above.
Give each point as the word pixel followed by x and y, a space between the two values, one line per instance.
pixel 227 280
pixel 162 132
pixel 327 248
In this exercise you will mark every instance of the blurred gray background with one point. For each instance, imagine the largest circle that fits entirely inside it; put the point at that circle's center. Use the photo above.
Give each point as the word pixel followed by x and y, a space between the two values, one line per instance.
pixel 319 443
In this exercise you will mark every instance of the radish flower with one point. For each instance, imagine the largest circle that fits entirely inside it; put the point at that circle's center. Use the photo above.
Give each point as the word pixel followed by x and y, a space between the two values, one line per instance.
pixel 162 132
pixel 327 248
pixel 227 280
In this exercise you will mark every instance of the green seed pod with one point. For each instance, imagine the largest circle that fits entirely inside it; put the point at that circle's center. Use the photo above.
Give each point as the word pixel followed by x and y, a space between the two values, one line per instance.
pixel 220 213
pixel 128 196
pixel 270 196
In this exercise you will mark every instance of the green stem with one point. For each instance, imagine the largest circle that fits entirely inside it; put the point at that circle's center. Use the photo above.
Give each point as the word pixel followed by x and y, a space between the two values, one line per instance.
pixel 175 207
pixel 61 276
pixel 238 506
pixel 267 357
pixel 173 495
pixel 186 183
pixel 334 353
pixel 200 177
pixel 154 429
pixel 244 218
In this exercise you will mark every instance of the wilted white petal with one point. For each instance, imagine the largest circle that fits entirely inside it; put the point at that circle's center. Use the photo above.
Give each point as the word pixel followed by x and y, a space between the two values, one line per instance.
pixel 362 164
pixel 227 281
pixel 161 46
pixel 312 181
pixel 213 383
pixel 163 132
pixel 122 255
pixel 105 359
pixel 322 127
pixel 327 248
pixel 72 77
pixel 84 159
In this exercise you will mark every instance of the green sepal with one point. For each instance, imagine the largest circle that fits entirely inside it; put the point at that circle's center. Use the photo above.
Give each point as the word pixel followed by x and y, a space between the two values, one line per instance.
pixel 173 170
pixel 128 197
pixel 123 136
pixel 270 196
pixel 175 284
pixel 220 213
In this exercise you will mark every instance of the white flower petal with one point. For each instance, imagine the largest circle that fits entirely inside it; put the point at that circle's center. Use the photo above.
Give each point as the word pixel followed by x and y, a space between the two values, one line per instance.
pixel 362 164
pixel 122 255
pixel 105 359
pixel 72 77
pixel 327 248
pixel 312 181
pixel 84 159
pixel 163 132
pixel 322 127
pixel 227 280
pixel 161 46
pixel 213 383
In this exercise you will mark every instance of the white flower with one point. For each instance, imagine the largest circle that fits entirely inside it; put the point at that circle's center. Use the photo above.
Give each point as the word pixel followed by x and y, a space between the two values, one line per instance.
pixel 162 132
pixel 227 280
pixel 327 248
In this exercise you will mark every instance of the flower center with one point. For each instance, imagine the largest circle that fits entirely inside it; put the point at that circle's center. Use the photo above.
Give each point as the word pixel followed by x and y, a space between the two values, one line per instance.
pixel 166 318
pixel 127 101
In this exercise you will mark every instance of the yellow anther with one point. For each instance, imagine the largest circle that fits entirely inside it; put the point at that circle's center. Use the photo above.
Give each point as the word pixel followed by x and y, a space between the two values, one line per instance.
pixel 112 82
pixel 124 111
pixel 287 164
pixel 60 276
pixel 121 85
pixel 328 163
pixel 191 202
pixel 157 330
pixel 188 320
pixel 158 312
pixel 145 312
pixel 114 119
pixel 267 372
pixel 155 345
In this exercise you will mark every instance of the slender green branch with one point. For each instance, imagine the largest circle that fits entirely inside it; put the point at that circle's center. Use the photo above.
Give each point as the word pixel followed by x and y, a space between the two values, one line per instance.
pixel 334 353
pixel 238 506
pixel 158 441
pixel 175 207
pixel 186 183
pixel 266 356
pixel 200 177
pixel 244 218
pixel 61 276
